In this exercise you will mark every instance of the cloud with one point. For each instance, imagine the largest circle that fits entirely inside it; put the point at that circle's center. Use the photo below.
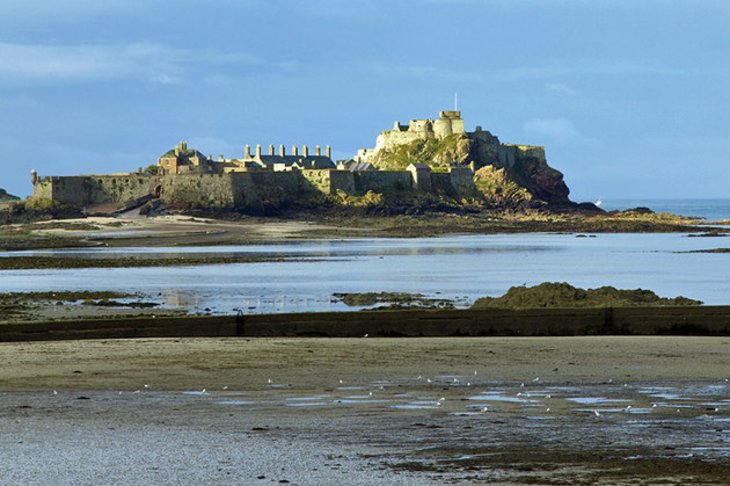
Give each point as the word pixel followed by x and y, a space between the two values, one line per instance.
pixel 558 128
pixel 337 8
pixel 17 8
pixel 24 62
pixel 599 67
pixel 561 89
pixel 75 10
pixel 148 62
pixel 426 73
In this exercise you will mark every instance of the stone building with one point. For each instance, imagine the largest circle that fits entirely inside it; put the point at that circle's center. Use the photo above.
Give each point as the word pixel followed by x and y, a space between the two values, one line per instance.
pixel 280 161
pixel 182 160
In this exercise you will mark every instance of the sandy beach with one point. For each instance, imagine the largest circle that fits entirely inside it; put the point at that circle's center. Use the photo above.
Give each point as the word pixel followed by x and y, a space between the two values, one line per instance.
pixel 585 410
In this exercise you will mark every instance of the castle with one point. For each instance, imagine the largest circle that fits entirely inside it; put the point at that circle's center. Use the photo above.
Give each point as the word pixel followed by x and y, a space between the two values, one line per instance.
pixel 448 123
pixel 186 178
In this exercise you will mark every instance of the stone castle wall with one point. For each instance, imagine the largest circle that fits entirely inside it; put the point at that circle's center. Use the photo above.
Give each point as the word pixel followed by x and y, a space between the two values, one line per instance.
pixel 241 190
pixel 382 181
pixel 88 190
pixel 508 153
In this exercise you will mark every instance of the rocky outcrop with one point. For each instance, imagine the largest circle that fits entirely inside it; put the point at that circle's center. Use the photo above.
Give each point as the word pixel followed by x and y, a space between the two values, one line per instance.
pixel 498 189
pixel 523 165
pixel 4 196
pixel 561 294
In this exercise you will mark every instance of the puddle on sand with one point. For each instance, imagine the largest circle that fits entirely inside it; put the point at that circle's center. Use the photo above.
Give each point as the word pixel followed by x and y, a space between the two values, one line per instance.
pixel 418 405
pixel 350 401
pixel 614 410
pixel 595 400
pixel 309 398
pixel 200 392
pixel 500 397
pixel 235 402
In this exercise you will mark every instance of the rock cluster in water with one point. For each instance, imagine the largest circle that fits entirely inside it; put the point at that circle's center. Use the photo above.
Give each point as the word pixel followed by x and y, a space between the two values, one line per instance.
pixel 561 294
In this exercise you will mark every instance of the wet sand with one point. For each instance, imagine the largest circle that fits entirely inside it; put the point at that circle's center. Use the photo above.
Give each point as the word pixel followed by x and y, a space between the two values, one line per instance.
pixel 591 410
pixel 131 229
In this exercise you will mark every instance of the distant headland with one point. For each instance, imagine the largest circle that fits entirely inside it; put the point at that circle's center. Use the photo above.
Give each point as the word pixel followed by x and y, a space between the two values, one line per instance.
pixel 426 164
pixel 4 196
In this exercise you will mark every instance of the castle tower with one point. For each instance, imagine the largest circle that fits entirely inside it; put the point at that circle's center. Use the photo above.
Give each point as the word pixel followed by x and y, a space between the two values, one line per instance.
pixel 271 149
pixel 258 151
pixel 248 151
pixel 305 151
pixel 282 150
pixel 294 150
pixel 317 150
pixel 328 151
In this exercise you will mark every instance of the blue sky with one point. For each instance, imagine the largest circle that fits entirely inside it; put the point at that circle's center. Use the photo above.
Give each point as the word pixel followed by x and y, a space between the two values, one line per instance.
pixel 630 98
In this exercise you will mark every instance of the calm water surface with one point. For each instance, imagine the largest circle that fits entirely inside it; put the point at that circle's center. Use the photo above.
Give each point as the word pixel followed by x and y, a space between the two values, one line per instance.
pixel 453 267
pixel 710 209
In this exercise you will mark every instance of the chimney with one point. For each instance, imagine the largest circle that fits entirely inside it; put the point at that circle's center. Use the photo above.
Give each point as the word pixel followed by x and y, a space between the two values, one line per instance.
pixel 258 151
pixel 271 149
pixel 282 150
pixel 305 151
pixel 328 151
pixel 248 151
pixel 317 150
pixel 294 150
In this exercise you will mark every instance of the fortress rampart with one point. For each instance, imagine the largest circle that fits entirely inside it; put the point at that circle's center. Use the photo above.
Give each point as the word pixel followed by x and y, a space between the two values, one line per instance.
pixel 246 191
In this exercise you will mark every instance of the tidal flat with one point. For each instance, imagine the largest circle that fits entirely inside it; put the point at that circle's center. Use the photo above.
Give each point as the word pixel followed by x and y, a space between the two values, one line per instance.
pixel 585 410
pixel 235 229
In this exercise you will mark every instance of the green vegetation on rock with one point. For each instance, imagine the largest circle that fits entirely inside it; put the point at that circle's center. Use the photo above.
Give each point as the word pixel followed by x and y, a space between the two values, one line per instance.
pixel 369 199
pixel 557 294
pixel 497 188
pixel 439 154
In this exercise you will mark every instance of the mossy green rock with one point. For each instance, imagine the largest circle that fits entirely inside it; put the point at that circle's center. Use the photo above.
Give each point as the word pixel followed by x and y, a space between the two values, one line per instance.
pixel 497 188
pixel 439 154
pixel 556 294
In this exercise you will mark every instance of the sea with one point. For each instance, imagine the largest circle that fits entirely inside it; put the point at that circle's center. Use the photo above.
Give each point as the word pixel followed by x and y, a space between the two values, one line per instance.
pixel 709 209
pixel 459 268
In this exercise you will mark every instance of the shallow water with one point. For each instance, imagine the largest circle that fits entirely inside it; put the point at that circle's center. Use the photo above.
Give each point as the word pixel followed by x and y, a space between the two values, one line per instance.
pixel 461 268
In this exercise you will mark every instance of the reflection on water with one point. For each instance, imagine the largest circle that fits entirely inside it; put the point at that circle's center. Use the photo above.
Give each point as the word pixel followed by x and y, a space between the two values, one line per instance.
pixel 460 268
